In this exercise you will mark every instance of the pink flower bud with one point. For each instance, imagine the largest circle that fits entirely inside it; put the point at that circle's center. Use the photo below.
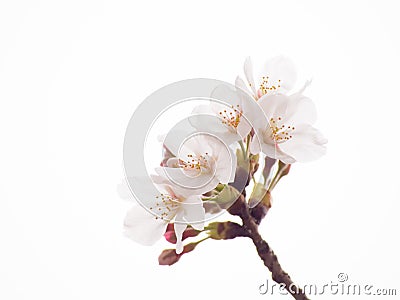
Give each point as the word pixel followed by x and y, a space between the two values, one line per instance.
pixel 168 257
pixel 171 237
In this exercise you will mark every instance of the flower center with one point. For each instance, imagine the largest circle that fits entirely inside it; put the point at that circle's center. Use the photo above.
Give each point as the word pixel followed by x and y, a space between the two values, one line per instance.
pixel 266 86
pixel 195 162
pixel 231 116
pixel 165 205
pixel 280 132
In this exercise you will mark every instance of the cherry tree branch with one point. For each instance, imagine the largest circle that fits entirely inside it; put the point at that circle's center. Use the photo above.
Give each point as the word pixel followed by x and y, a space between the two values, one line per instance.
pixel 265 252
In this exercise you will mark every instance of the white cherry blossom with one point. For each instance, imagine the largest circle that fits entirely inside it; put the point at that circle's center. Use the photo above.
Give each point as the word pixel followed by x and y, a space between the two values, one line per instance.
pixel 289 136
pixel 147 224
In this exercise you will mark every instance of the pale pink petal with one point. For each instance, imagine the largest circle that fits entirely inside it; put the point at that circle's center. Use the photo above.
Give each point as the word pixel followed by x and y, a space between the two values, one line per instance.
pixel 306 145
pixel 207 123
pixel 274 105
pixel 300 110
pixel 243 128
pixel 284 157
pixel 143 227
pixel 255 143
pixel 173 162
pixel 184 183
pixel 240 84
pixel 225 163
pixel 280 68
pixel 123 190
pixel 269 149
pixel 179 226
pixel 248 72
pixel 194 212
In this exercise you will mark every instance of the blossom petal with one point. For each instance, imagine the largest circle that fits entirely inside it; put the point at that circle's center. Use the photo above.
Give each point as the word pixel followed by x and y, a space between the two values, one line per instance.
pixel 179 227
pixel 284 157
pixel 224 159
pixel 123 190
pixel 269 150
pixel 194 212
pixel 306 145
pixel 225 163
pixel 255 143
pixel 233 163
pixel 240 84
pixel 224 97
pixel 214 125
pixel 301 110
pixel 185 184
pixel 280 68
pixel 248 72
pixel 172 162
pixel 272 150
pixel 143 227
pixel 175 138
pixel 243 128
pixel 295 109
pixel 274 105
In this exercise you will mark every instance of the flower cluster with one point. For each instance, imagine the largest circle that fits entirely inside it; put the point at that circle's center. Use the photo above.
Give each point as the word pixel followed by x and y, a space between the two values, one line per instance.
pixel 208 173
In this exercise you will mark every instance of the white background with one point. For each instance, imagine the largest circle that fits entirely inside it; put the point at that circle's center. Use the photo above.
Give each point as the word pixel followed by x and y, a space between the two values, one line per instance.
pixel 71 75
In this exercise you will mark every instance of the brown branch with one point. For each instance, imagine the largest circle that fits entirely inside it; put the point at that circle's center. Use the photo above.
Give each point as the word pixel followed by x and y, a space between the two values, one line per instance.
pixel 265 252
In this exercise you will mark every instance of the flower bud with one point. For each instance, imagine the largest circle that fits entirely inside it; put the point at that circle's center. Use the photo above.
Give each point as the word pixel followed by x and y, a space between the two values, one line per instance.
pixel 268 164
pixel 226 196
pixel 254 163
pixel 283 170
pixel 284 167
pixel 225 230
pixel 257 194
pixel 171 237
pixel 168 257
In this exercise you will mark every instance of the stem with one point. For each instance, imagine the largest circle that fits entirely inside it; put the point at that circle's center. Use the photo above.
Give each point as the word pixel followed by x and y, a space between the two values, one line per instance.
pixel 247 144
pixel 202 240
pixel 265 252
pixel 277 177
pixel 243 150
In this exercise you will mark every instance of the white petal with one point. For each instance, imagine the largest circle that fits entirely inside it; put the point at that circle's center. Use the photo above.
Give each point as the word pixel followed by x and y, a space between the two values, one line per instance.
pixel 174 139
pixel 274 105
pixel 233 165
pixel 255 143
pixel 173 162
pixel 123 190
pixel 243 128
pixel 142 227
pixel 225 163
pixel 225 96
pixel 198 144
pixel 179 227
pixel 240 84
pixel 194 212
pixel 280 68
pixel 207 123
pixel 303 88
pixel 306 145
pixel 229 137
pixel 300 109
pixel 203 109
pixel 224 159
pixel 184 185
pixel 272 150
pixel 248 72
pixel 284 157
pixel 269 150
